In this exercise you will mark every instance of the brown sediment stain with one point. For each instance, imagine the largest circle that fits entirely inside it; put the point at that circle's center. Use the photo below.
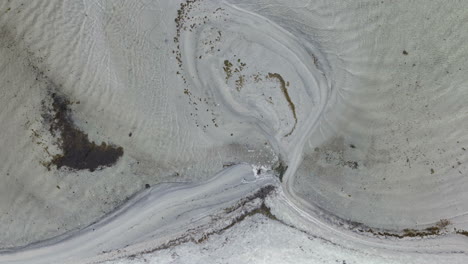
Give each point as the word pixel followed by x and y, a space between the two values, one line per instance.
pixel 77 152
pixel 278 77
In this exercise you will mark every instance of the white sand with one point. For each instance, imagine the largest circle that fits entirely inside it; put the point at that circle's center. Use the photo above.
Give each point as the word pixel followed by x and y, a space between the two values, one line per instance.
pixel 364 101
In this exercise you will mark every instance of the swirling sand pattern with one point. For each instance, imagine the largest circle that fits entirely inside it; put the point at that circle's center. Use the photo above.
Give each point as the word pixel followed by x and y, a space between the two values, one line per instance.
pixel 251 69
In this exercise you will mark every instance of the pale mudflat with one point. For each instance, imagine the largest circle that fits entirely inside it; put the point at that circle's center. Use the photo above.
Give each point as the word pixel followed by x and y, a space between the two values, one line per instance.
pixel 145 130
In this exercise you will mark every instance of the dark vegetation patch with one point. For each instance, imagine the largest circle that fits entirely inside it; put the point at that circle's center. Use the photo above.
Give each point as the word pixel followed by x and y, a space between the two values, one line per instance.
pixel 462 232
pixel 78 153
pixel 352 164
pixel 227 69
pixel 228 164
pixel 183 24
pixel 430 231
pixel 230 69
pixel 333 154
pixel 262 209
pixel 260 194
pixel 280 168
